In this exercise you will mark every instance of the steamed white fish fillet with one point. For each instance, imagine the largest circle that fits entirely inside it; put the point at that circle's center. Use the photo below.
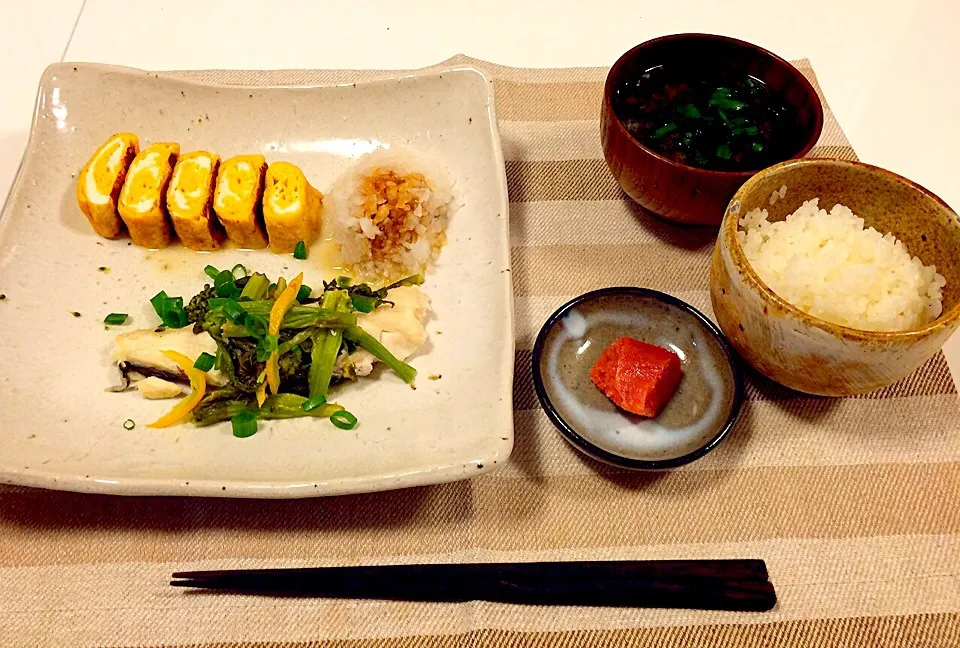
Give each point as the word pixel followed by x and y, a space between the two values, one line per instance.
pixel 400 328
pixel 145 348
pixel 155 388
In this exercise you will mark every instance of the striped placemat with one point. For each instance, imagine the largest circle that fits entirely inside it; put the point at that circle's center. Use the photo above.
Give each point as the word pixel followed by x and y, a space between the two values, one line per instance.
pixel 854 503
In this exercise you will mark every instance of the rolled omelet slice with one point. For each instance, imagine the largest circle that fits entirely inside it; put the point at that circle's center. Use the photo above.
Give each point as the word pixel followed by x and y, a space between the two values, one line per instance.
pixel 100 182
pixel 237 200
pixel 143 199
pixel 291 207
pixel 190 201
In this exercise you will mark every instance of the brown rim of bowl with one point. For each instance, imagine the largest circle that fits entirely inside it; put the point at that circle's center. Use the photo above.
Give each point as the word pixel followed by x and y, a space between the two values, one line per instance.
pixel 730 231
pixel 811 142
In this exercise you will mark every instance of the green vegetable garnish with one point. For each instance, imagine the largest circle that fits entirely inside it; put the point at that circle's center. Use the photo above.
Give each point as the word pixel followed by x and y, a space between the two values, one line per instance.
pixel 691 111
pixel 256 325
pixel 205 362
pixel 279 406
pixel 757 146
pixel 244 424
pixel 663 130
pixel 211 271
pixel 256 289
pixel 343 420
pixel 265 346
pixel 313 403
pixel 343 282
pixel 115 318
pixel 300 252
pixel 358 336
pixel 326 346
pixel 300 317
pixel 234 311
pixel 239 271
pixel 304 292
pixel 723 151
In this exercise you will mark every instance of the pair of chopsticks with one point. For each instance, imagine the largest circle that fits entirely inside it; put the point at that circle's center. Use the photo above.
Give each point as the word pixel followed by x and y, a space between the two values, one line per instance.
pixel 741 585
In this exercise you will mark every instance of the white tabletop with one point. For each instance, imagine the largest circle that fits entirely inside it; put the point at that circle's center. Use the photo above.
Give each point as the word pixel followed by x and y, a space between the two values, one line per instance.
pixel 887 67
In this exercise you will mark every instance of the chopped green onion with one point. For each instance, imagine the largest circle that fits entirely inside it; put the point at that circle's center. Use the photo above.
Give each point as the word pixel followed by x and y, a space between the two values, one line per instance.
pixel 313 403
pixel 300 252
pixel 129 424
pixel 239 269
pixel 343 420
pixel 205 362
pixel 157 301
pixel 281 286
pixel 115 318
pixel 749 130
pixel 691 111
pixel 723 151
pixel 721 92
pixel 364 304
pixel 729 104
pixel 211 271
pixel 343 282
pixel 228 290
pixel 304 292
pixel 663 130
pixel 225 285
pixel 169 310
pixel 244 424
pixel 234 311
pixel 218 302
pixel 757 146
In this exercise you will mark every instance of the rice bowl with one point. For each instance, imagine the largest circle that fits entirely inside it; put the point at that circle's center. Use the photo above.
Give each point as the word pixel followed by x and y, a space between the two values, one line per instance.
pixel 832 267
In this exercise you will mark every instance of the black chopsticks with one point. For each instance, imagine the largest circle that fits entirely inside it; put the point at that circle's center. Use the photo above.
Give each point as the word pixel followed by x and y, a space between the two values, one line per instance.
pixel 741 585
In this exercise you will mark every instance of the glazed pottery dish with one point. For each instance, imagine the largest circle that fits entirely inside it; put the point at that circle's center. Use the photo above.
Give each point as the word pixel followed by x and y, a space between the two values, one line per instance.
pixel 840 296
pixel 272 276
pixel 695 419
pixel 687 118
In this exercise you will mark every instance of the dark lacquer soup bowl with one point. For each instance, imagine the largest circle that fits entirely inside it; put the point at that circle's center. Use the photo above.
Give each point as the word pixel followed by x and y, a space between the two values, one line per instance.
pixel 688 118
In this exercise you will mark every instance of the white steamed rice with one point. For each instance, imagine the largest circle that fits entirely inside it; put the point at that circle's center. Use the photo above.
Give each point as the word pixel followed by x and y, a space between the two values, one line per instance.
pixel 411 238
pixel 829 265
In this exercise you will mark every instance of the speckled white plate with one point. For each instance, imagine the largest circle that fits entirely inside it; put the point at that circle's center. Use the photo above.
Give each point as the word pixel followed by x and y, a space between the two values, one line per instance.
pixel 60 429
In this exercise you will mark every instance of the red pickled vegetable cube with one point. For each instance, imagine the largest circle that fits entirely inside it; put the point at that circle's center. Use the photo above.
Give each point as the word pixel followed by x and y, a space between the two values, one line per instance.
pixel 638 377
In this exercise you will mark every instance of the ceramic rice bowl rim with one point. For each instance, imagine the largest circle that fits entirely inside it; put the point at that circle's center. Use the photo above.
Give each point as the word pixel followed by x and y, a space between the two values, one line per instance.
pixel 811 141
pixel 731 225
pixel 606 456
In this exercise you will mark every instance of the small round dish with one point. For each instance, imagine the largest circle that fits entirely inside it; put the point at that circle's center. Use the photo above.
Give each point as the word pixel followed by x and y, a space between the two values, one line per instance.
pixel 702 411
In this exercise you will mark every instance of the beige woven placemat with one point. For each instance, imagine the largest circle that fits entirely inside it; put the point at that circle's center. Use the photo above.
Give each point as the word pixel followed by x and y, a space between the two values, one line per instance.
pixel 854 503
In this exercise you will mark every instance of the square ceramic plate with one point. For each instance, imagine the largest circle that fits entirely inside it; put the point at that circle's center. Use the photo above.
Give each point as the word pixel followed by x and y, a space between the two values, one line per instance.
pixel 60 429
